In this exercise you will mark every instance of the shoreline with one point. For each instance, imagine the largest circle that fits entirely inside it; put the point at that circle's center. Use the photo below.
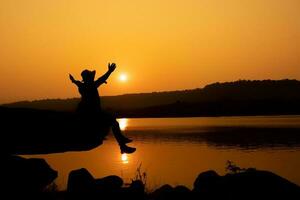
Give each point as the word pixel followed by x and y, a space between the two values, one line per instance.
pixel 34 180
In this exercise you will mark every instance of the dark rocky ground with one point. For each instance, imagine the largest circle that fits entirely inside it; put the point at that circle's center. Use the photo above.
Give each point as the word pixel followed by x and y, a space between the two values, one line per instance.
pixel 33 179
pixel 30 131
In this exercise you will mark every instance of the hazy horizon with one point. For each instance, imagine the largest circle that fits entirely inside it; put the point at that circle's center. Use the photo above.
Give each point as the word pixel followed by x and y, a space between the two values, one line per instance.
pixel 160 46
pixel 133 93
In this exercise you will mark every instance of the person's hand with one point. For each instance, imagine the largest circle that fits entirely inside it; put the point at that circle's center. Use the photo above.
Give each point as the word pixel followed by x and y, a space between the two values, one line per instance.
pixel 71 78
pixel 111 67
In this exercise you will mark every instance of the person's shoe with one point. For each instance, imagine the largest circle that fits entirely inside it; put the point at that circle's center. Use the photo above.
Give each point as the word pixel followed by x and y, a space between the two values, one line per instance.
pixel 127 149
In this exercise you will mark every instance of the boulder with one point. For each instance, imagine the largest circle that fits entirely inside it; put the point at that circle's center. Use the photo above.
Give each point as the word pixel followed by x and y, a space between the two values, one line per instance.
pixel 136 190
pixel 181 189
pixel 109 183
pixel 33 131
pixel 163 193
pixel 182 192
pixel 26 175
pixel 137 186
pixel 248 184
pixel 109 187
pixel 206 180
pixel 81 181
pixel 167 192
pixel 260 184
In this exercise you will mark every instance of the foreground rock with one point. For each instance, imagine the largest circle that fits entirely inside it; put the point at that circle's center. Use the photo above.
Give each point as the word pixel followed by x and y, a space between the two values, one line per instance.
pixel 82 185
pixel 29 131
pixel 22 176
pixel 249 184
pixel 167 192
pixel 246 184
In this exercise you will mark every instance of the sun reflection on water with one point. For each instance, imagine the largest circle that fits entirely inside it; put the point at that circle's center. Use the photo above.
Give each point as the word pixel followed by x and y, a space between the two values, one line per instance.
pixel 123 123
pixel 124 158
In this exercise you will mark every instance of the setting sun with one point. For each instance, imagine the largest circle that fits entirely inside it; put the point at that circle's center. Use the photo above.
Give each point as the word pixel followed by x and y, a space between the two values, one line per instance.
pixel 123 77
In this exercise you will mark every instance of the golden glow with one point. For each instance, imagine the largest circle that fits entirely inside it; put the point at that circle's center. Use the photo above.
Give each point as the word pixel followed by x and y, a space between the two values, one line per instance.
pixel 123 77
pixel 123 123
pixel 161 45
pixel 124 158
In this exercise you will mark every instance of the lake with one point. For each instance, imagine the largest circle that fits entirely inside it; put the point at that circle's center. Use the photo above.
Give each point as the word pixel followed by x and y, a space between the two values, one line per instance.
pixel 176 150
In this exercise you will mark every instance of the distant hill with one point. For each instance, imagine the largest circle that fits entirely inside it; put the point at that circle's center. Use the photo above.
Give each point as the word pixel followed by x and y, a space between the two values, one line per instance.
pixel 243 97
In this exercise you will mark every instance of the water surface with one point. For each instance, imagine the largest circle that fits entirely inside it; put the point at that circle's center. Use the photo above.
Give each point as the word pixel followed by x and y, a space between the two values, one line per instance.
pixel 176 150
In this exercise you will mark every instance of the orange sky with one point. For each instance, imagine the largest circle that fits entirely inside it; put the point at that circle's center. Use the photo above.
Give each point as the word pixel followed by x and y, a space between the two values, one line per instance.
pixel 160 44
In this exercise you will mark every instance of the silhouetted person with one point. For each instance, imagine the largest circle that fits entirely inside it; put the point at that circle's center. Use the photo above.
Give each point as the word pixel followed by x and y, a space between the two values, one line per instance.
pixel 90 105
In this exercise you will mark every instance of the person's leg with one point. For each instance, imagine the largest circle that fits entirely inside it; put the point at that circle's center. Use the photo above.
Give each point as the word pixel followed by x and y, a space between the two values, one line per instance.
pixel 121 139
pixel 118 133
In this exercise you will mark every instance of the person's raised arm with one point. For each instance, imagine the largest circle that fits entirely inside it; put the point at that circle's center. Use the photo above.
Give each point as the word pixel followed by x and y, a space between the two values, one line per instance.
pixel 103 78
pixel 74 81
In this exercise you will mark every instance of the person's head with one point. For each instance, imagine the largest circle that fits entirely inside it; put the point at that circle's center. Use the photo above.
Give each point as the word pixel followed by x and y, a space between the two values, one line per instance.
pixel 88 76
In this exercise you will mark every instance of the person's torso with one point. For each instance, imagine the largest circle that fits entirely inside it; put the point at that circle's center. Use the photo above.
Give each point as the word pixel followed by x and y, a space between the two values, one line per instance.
pixel 90 98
